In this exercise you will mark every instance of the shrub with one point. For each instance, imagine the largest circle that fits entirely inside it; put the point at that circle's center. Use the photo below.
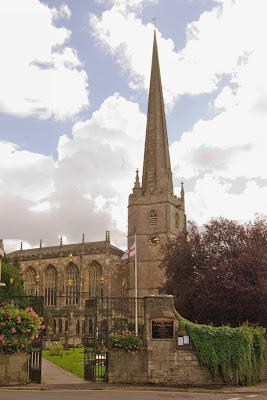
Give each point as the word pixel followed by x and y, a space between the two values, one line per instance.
pixel 18 328
pixel 126 340
pixel 55 348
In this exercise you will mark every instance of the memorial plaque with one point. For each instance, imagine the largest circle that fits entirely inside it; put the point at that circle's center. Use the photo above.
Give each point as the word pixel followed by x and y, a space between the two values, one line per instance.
pixel 162 329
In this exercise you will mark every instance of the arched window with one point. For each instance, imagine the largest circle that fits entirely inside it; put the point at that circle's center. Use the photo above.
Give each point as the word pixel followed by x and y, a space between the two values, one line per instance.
pixel 77 327
pixel 51 286
pixel 95 280
pixel 153 218
pixel 54 326
pixel 176 221
pixel 66 327
pixel 60 326
pixel 30 284
pixel 83 327
pixel 72 292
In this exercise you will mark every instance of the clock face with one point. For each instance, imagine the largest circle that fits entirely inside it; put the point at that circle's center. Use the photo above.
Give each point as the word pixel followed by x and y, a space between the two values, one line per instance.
pixel 153 240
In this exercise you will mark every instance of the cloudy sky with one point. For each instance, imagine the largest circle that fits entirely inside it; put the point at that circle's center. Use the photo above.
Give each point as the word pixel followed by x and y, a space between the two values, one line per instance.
pixel 74 77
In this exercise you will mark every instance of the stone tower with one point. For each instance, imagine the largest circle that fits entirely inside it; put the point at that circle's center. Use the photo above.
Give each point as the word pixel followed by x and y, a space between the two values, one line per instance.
pixel 155 214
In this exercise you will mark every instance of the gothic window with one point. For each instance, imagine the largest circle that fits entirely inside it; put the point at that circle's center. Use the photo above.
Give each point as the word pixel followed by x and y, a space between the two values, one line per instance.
pixel 66 327
pixel 176 221
pixel 72 292
pixel 54 326
pixel 77 327
pixel 153 218
pixel 30 284
pixel 60 326
pixel 50 286
pixel 83 327
pixel 95 280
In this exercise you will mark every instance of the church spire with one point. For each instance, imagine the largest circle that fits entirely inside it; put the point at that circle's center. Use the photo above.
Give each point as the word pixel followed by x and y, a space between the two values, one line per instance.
pixel 157 174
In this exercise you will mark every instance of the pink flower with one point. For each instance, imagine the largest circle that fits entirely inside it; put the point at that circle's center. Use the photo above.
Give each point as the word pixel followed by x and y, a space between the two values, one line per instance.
pixel 13 330
pixel 41 318
pixel 43 326
pixel 19 320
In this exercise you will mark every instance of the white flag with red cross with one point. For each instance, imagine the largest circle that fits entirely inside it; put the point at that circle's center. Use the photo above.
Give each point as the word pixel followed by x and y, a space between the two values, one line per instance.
pixel 129 253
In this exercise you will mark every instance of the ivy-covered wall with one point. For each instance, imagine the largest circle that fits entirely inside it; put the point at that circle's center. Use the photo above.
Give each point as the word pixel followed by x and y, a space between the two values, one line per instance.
pixel 227 351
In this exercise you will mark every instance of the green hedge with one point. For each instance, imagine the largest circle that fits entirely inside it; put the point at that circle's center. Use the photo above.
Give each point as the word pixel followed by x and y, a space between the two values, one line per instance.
pixel 225 350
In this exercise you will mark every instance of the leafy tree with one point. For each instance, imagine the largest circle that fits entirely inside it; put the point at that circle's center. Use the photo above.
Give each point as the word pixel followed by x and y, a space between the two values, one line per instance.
pixel 219 276
pixel 11 276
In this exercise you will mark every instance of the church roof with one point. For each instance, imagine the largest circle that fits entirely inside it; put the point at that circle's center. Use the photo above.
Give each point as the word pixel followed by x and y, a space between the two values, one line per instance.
pixel 157 174
pixel 65 250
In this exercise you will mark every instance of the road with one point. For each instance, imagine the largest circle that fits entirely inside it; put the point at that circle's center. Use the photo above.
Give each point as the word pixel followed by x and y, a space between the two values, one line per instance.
pixel 122 395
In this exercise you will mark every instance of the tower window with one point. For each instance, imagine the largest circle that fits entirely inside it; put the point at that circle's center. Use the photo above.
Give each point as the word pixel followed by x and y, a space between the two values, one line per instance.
pixel 153 218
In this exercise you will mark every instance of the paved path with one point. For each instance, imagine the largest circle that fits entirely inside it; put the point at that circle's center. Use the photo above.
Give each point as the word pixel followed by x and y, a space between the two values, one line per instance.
pixel 53 374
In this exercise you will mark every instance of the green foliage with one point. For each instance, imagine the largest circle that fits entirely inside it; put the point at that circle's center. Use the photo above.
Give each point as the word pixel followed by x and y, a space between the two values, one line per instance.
pixel 18 327
pixel 225 350
pixel 55 348
pixel 11 269
pixel 126 340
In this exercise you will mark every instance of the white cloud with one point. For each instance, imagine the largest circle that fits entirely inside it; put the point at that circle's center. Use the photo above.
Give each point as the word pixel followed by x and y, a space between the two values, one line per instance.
pixel 86 190
pixel 212 198
pixel 220 154
pixel 39 74
pixel 215 47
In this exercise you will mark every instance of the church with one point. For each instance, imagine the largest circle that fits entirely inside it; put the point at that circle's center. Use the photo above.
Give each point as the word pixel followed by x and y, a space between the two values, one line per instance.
pixel 68 275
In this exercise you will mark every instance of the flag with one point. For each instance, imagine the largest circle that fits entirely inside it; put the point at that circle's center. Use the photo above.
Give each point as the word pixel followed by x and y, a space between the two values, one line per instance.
pixel 129 253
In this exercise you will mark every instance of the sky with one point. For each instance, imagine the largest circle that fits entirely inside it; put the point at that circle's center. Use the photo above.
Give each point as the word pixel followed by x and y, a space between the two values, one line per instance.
pixel 74 80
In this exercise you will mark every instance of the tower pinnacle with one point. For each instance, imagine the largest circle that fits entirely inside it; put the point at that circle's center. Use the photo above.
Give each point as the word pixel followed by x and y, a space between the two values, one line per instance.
pixel 157 174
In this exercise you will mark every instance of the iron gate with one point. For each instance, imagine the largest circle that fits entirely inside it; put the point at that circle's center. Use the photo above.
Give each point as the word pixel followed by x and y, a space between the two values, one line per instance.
pixel 95 344
pixel 35 355
pixel 103 317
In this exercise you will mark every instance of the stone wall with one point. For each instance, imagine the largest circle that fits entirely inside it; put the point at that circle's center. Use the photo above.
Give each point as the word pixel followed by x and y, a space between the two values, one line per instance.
pixel 13 369
pixel 162 361
pixel 124 367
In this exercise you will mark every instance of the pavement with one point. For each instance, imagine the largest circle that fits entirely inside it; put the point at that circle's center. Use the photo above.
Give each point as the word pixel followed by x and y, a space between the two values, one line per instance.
pixel 56 378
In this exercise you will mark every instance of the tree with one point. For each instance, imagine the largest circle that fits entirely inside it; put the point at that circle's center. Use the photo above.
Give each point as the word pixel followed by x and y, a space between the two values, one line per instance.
pixel 11 276
pixel 219 276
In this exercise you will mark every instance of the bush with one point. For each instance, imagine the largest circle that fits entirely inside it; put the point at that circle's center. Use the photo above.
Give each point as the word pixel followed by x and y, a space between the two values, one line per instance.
pixel 126 340
pixel 55 348
pixel 18 328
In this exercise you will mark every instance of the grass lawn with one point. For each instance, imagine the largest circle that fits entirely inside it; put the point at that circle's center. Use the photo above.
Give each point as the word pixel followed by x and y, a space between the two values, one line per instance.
pixel 71 360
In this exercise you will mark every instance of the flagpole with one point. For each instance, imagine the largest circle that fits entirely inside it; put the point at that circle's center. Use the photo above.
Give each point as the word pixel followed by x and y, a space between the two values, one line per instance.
pixel 135 285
